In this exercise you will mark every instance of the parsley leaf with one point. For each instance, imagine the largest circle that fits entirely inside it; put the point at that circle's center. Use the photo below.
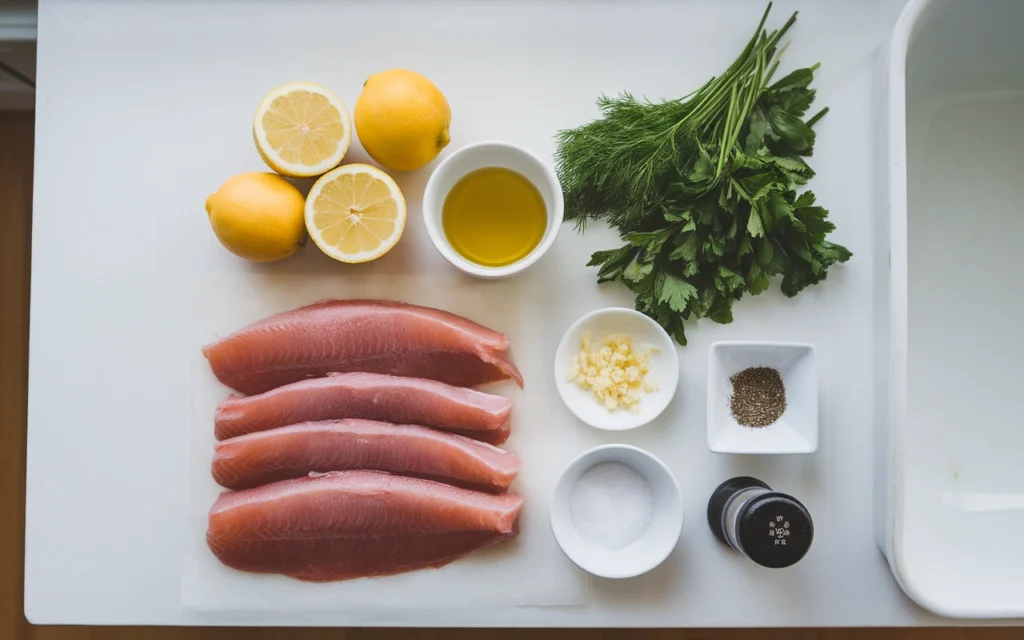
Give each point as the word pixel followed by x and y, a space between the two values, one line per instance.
pixel 676 292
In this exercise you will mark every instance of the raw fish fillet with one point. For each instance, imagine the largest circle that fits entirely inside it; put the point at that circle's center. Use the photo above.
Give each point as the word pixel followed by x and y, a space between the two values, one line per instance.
pixel 371 396
pixel 351 524
pixel 295 451
pixel 341 336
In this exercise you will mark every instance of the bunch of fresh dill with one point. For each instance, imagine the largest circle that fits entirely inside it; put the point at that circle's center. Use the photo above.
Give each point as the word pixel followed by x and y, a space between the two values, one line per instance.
pixel 704 189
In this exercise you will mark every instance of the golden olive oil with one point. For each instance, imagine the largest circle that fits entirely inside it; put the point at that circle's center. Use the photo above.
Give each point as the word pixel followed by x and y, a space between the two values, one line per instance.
pixel 494 217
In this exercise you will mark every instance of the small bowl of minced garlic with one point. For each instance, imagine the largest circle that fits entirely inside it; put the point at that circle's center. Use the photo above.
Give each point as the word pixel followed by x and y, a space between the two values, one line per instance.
pixel 616 369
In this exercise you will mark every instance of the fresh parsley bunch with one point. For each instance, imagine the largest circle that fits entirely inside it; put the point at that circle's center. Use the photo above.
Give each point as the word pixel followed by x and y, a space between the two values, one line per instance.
pixel 704 190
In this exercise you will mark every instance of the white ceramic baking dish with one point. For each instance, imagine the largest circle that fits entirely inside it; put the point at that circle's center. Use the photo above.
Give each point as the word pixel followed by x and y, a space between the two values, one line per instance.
pixel 953 483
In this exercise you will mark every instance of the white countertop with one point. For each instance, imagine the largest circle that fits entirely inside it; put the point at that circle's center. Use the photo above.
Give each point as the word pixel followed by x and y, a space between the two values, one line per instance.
pixel 144 108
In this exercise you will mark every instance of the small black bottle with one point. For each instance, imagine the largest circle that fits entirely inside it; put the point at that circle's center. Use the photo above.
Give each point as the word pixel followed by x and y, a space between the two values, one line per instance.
pixel 771 528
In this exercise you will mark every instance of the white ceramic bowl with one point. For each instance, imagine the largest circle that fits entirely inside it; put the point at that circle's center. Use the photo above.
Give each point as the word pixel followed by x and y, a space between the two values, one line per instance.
pixel 797 430
pixel 646 334
pixel 478 156
pixel 654 544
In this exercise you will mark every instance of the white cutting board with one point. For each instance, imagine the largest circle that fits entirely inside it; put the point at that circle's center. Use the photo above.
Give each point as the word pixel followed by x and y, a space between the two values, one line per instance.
pixel 144 109
pixel 532 569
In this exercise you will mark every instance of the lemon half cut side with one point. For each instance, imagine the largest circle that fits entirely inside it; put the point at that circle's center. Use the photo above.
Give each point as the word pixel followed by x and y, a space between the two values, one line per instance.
pixel 355 213
pixel 302 129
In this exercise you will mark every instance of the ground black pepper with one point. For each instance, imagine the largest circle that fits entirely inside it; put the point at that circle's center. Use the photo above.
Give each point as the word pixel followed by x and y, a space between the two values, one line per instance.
pixel 758 397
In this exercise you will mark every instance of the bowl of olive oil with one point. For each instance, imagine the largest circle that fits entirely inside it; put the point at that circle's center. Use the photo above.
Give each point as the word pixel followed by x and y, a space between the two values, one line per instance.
pixel 492 209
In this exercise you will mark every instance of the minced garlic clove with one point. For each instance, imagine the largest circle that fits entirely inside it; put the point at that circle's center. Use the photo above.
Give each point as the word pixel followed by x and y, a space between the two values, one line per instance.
pixel 614 372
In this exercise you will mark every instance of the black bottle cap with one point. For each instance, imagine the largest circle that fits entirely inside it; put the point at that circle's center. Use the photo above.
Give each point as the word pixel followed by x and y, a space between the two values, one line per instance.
pixel 775 530
pixel 720 498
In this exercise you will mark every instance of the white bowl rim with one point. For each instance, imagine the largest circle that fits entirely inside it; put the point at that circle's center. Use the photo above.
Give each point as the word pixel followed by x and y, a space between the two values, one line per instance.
pixel 555 217
pixel 680 516
pixel 641 420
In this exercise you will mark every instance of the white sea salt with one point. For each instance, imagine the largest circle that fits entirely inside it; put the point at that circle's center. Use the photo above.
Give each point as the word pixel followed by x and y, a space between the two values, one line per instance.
pixel 611 505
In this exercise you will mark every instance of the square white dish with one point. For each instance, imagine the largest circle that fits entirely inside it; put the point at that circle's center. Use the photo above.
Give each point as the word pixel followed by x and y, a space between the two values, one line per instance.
pixel 797 430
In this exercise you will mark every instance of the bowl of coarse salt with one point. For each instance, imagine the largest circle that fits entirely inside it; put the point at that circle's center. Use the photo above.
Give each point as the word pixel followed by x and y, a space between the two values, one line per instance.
pixel 617 511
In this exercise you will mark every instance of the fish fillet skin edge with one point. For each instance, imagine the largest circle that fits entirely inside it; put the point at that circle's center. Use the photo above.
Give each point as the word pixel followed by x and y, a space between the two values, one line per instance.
pixel 375 336
pixel 350 524
pixel 339 445
pixel 369 396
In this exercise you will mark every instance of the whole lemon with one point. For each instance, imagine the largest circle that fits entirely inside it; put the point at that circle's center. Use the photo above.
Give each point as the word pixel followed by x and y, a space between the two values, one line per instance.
pixel 258 216
pixel 402 119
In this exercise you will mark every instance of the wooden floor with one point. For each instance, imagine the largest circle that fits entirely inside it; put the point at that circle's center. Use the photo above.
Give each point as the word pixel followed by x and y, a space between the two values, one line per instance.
pixel 16 132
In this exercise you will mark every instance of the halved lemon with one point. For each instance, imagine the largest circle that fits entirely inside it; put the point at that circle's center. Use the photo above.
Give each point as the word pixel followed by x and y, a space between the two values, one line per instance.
pixel 355 213
pixel 302 129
